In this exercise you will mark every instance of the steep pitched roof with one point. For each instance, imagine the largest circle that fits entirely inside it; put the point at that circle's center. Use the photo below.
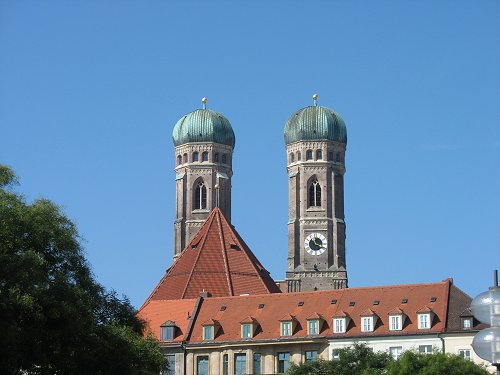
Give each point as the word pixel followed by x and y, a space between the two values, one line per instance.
pixel 216 261
pixel 276 307
pixel 156 313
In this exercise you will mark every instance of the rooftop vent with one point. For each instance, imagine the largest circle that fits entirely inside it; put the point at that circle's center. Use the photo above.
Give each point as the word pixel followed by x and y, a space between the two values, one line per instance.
pixel 333 301
pixel 433 299
pixel 352 303
pixel 404 300
pixel 223 308
pixel 376 303
pixel 261 306
pixel 301 303
pixel 234 246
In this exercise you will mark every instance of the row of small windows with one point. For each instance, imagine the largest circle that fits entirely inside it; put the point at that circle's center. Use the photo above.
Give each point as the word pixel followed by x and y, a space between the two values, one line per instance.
pixel 204 157
pixel 315 326
pixel 319 156
pixel 240 362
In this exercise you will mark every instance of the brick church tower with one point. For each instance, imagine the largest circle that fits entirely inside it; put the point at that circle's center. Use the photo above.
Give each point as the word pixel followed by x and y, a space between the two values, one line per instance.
pixel 316 139
pixel 204 142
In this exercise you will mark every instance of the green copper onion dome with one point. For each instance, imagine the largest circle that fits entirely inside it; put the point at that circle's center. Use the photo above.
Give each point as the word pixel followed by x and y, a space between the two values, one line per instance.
pixel 315 123
pixel 203 125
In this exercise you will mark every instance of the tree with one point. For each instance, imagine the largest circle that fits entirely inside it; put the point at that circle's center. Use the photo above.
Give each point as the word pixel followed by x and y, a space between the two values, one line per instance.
pixel 358 359
pixel 412 363
pixel 54 317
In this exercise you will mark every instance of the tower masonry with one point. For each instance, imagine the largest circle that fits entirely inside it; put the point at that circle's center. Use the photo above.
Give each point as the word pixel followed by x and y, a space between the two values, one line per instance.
pixel 316 141
pixel 204 141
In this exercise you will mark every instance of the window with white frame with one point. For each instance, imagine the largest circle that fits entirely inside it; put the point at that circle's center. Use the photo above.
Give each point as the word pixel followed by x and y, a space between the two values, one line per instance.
pixel 208 332
pixel 424 321
pixel 467 323
pixel 395 322
pixel 286 328
pixel 367 324
pixel 246 330
pixel 425 349
pixel 396 351
pixel 465 353
pixel 339 325
pixel 313 327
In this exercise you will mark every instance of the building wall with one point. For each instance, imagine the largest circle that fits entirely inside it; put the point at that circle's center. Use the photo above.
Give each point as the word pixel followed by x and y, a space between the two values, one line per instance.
pixel 269 356
pixel 463 341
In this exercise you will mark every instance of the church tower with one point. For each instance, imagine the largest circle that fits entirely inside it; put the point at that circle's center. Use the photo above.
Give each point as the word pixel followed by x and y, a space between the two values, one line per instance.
pixel 204 142
pixel 316 139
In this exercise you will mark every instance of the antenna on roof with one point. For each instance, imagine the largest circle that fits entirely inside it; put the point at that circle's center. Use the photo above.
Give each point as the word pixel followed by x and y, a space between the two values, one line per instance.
pixel 315 99
pixel 204 101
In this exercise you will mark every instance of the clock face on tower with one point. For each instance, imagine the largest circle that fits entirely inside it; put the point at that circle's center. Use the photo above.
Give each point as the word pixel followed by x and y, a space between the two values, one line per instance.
pixel 315 244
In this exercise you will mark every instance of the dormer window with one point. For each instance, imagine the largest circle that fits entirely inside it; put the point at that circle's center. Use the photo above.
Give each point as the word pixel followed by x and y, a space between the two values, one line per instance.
pixel 287 325
pixel 424 321
pixel 368 320
pixel 248 326
pixel 168 331
pixel 208 332
pixel 313 327
pixel 367 324
pixel 339 325
pixel 424 318
pixel 396 319
pixel 210 328
pixel 395 322
pixel 286 328
pixel 466 323
pixel 247 330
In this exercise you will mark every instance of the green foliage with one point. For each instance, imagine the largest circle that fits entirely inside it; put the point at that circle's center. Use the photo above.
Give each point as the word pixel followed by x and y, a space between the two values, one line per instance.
pixel 358 359
pixel 54 317
pixel 361 360
pixel 412 363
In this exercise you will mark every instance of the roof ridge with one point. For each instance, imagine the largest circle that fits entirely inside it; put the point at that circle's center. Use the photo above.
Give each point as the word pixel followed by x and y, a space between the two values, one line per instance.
pixel 204 239
pixel 224 251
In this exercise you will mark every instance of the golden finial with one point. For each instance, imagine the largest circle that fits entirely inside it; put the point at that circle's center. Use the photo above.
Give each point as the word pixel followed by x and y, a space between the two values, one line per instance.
pixel 204 101
pixel 315 98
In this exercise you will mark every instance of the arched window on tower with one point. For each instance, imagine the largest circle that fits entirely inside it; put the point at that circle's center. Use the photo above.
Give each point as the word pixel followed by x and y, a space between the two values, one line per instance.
pixel 195 156
pixel 337 157
pixel 216 157
pixel 200 196
pixel 292 157
pixel 299 156
pixel 224 158
pixel 185 158
pixel 204 156
pixel 319 155
pixel 179 160
pixel 314 194
pixel 309 155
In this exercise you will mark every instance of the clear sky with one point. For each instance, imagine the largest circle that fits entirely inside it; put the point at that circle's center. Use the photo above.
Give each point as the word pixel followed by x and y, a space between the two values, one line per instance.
pixel 90 92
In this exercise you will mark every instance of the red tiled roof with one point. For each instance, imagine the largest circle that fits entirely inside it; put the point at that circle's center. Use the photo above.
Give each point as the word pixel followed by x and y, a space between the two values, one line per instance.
pixel 217 261
pixel 279 305
pixel 155 313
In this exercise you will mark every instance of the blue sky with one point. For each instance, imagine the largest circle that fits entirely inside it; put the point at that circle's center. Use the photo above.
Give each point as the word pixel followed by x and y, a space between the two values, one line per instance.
pixel 90 92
